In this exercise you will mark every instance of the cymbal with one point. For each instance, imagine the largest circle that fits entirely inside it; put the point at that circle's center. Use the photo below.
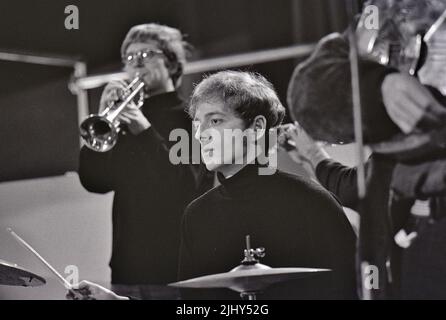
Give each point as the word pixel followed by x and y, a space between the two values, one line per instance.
pixel 14 275
pixel 248 278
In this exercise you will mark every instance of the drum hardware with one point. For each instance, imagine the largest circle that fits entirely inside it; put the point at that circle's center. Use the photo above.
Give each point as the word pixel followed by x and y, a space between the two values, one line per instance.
pixel 250 277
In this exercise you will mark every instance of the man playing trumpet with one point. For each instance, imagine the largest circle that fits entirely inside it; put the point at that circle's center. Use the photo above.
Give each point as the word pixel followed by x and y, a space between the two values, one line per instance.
pixel 150 193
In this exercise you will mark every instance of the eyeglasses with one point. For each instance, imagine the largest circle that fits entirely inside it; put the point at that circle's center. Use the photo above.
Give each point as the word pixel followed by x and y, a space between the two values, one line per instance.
pixel 143 56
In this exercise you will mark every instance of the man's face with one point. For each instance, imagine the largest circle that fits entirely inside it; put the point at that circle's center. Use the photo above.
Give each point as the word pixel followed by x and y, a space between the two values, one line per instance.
pixel 147 61
pixel 220 132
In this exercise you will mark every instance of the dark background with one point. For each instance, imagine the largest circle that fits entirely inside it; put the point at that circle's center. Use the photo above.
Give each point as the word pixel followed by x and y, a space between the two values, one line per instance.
pixel 38 114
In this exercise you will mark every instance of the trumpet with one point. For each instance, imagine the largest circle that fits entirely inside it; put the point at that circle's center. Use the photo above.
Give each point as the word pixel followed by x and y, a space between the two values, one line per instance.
pixel 100 131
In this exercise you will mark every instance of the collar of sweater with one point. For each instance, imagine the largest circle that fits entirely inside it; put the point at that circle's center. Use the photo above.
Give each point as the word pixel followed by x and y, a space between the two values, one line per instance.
pixel 244 182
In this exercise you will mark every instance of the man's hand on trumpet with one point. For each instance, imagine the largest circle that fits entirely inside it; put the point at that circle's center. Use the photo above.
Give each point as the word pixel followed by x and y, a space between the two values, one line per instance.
pixel 91 291
pixel 131 116
pixel 134 119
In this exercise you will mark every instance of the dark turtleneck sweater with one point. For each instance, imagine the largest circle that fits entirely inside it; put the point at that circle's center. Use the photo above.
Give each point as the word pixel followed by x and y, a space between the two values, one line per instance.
pixel 297 221
pixel 150 194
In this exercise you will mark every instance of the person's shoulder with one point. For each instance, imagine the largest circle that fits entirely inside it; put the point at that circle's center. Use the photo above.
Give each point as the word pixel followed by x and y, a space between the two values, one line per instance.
pixel 300 191
pixel 180 108
pixel 299 185
pixel 177 114
pixel 178 104
pixel 293 179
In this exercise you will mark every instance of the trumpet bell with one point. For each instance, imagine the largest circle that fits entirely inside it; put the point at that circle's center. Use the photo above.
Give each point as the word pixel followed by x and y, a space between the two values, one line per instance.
pixel 99 133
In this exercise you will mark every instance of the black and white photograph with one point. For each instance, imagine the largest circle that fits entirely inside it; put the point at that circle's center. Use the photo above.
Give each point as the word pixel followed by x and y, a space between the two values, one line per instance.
pixel 216 151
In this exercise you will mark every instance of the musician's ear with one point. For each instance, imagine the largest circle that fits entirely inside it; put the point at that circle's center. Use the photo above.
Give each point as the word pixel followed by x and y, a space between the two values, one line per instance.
pixel 259 126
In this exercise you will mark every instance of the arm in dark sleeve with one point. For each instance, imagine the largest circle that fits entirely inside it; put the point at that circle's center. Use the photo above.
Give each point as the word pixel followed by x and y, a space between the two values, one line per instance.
pixel 319 94
pixel 95 171
pixel 340 180
pixel 334 241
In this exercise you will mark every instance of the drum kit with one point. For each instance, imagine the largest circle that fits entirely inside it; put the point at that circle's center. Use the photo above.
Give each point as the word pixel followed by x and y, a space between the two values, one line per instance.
pixel 249 278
